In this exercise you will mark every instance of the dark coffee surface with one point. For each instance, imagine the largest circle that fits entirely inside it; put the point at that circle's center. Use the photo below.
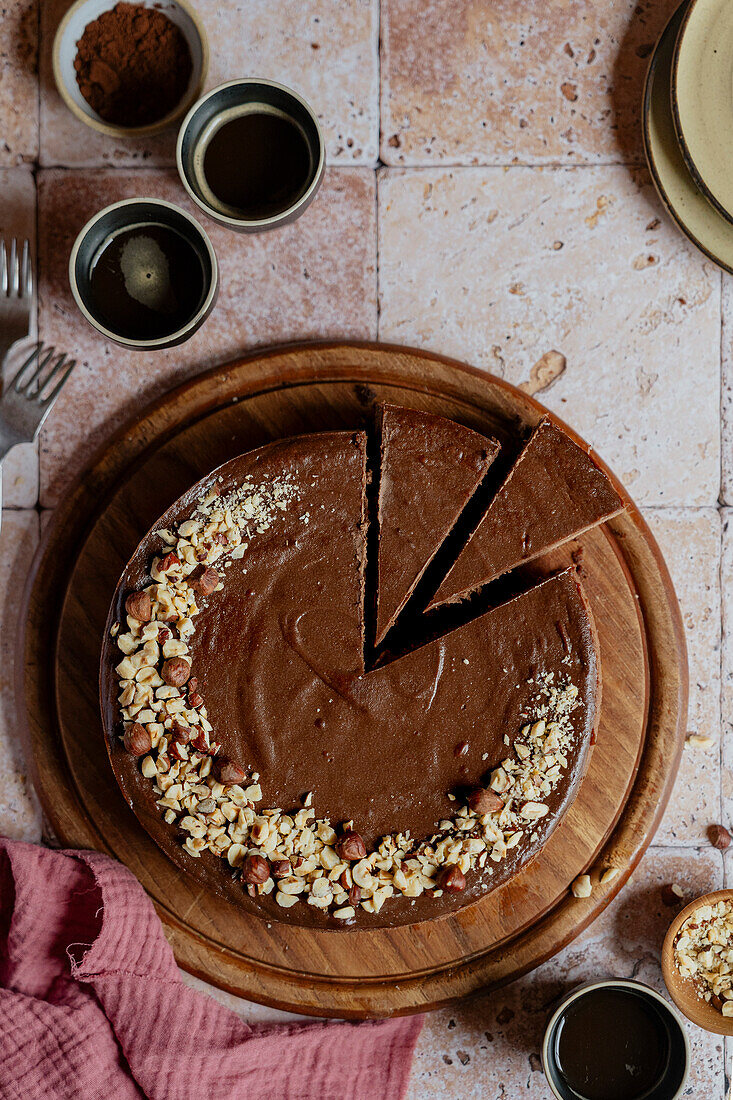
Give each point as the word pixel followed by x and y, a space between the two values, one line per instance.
pixel 278 657
pixel 612 1045
pixel 258 164
pixel 146 282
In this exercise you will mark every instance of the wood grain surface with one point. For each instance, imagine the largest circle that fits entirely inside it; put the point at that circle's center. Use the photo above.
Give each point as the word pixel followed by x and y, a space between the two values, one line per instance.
pixel 332 973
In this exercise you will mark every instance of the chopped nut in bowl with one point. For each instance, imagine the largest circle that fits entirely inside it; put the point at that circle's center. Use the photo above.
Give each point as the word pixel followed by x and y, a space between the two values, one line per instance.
pixel 697 961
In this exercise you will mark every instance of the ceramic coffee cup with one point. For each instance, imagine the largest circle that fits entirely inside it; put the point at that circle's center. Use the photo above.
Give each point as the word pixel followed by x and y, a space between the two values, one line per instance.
pixel 147 277
pixel 207 124
pixel 669 1075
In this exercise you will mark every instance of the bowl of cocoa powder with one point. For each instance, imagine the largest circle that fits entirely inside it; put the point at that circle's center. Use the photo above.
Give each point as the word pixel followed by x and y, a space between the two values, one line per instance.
pixel 130 67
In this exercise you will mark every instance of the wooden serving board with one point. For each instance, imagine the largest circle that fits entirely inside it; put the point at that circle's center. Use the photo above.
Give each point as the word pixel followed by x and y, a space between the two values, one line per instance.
pixel 378 972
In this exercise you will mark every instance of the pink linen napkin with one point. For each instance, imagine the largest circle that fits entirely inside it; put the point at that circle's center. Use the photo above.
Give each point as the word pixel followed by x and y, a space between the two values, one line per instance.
pixel 92 1005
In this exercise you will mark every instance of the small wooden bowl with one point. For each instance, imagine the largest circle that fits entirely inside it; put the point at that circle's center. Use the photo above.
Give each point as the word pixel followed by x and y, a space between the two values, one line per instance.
pixel 681 990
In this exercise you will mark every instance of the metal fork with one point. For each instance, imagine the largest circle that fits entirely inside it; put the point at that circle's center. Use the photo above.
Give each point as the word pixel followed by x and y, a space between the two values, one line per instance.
pixel 27 397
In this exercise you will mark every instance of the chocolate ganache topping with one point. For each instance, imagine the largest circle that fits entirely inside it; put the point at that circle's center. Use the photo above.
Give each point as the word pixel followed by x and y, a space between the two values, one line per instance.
pixel 269 761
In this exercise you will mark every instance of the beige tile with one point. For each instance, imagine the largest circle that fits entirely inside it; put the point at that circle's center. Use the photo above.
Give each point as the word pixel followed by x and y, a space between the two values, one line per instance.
pixel 513 81
pixel 20 815
pixel 315 278
pixel 690 542
pixel 18 87
pixel 498 267
pixel 490 1046
pixel 327 51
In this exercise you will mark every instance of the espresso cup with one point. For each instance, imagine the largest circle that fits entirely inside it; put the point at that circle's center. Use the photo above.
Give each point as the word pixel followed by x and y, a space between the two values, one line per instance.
pixel 176 291
pixel 653 1070
pixel 251 154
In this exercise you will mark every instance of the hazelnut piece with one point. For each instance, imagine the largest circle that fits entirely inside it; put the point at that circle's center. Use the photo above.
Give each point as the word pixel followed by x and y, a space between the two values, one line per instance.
pixel 139 606
pixel 200 743
pixel 168 561
pixel 483 801
pixel 354 895
pixel 228 772
pixel 205 582
pixel 175 671
pixel 255 870
pixel 351 846
pixel 181 733
pixel 719 837
pixel 281 868
pixel 452 879
pixel 137 740
pixel 672 894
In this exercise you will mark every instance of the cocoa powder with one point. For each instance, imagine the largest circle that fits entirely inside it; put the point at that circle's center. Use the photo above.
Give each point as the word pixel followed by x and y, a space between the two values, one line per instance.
pixel 133 65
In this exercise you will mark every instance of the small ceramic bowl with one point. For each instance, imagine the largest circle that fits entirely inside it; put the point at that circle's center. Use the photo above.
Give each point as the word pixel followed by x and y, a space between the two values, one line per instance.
pixel 127 214
pixel 681 990
pixel 219 106
pixel 671 1083
pixel 72 27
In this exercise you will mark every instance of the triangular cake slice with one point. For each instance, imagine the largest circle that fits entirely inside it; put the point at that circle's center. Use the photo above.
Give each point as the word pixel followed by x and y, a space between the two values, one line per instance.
pixel 554 492
pixel 430 468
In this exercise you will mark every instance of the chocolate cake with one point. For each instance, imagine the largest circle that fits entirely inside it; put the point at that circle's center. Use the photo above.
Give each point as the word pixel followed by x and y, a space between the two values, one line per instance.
pixel 264 756
pixel 554 492
pixel 429 469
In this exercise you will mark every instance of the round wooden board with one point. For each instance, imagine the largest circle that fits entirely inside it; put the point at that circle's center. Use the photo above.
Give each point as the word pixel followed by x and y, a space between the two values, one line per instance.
pixel 379 972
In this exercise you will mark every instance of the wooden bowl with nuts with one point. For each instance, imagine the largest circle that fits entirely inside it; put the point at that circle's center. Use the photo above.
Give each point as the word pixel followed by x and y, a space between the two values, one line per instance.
pixel 697 961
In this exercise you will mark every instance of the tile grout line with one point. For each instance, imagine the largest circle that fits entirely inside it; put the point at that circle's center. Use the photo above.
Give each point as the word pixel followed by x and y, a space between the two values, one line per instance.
pixel 721 594
pixel 445 165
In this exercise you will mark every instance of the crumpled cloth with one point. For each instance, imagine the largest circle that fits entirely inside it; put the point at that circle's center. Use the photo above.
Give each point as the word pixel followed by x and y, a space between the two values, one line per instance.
pixel 92 1005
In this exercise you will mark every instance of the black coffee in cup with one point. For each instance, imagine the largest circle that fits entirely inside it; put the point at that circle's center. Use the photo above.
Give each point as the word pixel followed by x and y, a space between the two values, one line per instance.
pixel 615 1040
pixel 251 154
pixel 256 164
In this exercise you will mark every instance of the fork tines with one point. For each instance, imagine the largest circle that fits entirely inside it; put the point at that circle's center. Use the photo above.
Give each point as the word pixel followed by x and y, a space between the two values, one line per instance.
pixel 41 384
pixel 16 273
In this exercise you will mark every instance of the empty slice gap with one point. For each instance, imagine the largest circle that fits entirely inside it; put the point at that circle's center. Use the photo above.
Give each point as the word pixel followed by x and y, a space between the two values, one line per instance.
pixel 428 469
pixel 554 492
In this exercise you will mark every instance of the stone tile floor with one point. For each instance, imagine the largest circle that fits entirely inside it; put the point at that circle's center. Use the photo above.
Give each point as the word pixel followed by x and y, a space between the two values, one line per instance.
pixel 509 216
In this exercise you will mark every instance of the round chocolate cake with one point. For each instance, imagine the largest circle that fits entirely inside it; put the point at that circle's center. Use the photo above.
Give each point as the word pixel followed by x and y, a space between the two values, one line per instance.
pixel 320 756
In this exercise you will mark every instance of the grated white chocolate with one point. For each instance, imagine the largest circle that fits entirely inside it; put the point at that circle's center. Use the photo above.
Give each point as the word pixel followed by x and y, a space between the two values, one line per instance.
pixel 302 850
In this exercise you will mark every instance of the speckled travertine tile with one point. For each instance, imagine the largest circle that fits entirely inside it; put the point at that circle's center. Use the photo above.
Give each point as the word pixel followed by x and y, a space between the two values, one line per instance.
pixel 326 51
pixel 690 542
pixel 18 82
pixel 18 219
pixel 315 278
pixel 507 81
pixel 499 267
pixel 490 1046
pixel 726 585
pixel 20 815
